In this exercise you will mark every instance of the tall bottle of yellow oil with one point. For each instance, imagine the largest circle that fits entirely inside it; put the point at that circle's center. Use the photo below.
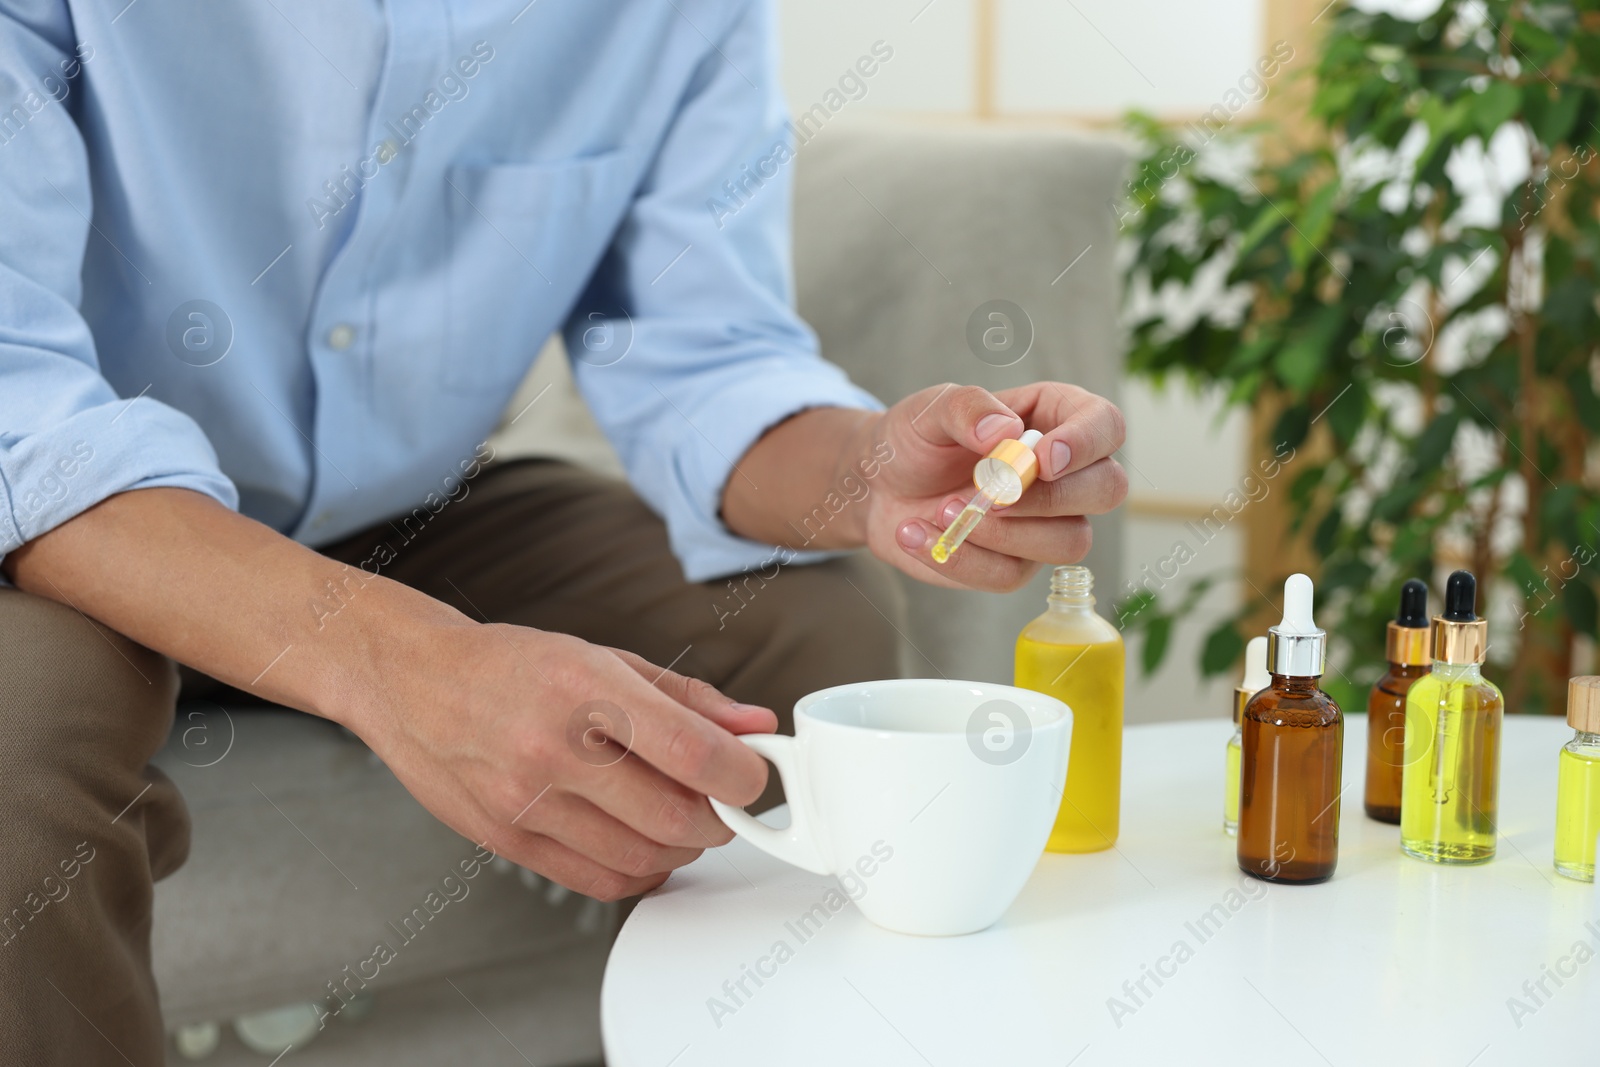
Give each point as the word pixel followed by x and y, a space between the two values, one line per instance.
pixel 1073 654
pixel 1450 787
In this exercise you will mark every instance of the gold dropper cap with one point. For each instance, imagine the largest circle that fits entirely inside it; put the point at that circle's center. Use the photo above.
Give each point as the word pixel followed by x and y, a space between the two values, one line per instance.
pixel 1009 468
pixel 1583 703
pixel 1459 636
pixel 1406 646
pixel 1405 643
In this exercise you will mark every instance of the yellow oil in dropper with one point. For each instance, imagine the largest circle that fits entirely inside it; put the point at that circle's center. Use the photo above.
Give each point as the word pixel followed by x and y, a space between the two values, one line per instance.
pixel 1001 476
pixel 965 523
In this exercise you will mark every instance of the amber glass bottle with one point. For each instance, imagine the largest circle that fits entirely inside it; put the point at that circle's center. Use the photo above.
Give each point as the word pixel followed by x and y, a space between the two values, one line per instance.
pixel 1406 648
pixel 1291 756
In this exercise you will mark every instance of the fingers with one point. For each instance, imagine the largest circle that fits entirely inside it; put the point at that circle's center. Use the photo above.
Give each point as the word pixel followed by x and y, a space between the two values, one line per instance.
pixel 1080 428
pixel 703 697
pixel 973 565
pixel 569 868
pixel 1093 490
pixel 963 415
pixel 584 828
pixel 638 795
pixel 1054 541
pixel 683 744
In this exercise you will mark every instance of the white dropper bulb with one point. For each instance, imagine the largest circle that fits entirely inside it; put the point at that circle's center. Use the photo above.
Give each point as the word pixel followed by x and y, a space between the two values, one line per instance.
pixel 1297 594
pixel 1256 677
pixel 1031 437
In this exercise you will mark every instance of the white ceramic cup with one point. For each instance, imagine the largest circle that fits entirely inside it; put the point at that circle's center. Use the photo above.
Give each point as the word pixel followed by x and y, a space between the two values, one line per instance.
pixel 930 799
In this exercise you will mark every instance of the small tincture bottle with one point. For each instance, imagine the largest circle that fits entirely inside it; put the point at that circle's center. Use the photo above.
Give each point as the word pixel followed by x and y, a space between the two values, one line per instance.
pixel 1291 750
pixel 1406 648
pixel 1450 788
pixel 1578 782
pixel 1255 679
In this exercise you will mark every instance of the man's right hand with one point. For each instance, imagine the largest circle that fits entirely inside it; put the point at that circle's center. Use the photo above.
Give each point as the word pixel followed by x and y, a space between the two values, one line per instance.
pixel 487 725
pixel 587 764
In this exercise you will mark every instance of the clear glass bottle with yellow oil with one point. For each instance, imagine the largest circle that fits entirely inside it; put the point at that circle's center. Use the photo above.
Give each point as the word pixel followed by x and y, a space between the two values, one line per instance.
pixel 1073 654
pixel 1578 782
pixel 1255 679
pixel 1450 787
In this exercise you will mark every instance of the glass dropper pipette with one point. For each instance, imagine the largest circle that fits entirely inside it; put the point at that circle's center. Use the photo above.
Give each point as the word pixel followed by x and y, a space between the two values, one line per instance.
pixel 1001 476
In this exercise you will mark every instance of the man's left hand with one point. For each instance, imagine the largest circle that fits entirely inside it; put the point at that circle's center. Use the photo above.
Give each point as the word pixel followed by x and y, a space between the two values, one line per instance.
pixel 937 436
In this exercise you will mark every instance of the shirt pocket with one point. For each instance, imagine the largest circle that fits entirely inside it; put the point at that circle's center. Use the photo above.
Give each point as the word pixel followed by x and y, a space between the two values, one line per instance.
pixel 524 239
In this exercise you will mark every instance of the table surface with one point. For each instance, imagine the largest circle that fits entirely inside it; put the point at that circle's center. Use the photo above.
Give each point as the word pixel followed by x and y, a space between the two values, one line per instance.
pixel 1392 961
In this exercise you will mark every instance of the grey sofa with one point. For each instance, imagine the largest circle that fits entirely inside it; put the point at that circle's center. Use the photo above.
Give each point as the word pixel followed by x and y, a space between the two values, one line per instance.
pixel 308 854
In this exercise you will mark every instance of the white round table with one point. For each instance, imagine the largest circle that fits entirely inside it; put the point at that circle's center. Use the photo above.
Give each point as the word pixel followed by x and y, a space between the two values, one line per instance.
pixel 1159 951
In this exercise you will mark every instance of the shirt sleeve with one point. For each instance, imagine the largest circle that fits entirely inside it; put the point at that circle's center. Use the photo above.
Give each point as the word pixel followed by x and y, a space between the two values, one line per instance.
pixel 67 440
pixel 705 351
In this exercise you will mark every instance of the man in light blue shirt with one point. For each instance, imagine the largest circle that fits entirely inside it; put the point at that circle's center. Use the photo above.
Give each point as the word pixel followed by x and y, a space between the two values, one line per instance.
pixel 269 275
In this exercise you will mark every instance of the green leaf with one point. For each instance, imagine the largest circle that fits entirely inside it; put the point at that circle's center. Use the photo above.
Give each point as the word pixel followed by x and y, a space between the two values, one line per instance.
pixel 1494 107
pixel 1520 569
pixel 1346 414
pixel 1348 695
pixel 1326 535
pixel 1314 224
pixel 1583 611
pixel 1559 510
pixel 1346 574
pixel 1584 402
pixel 1534 38
pixel 1248 356
pixel 1556 121
pixel 1292 426
pixel 1434 442
pixel 1224 645
pixel 1304 485
pixel 1392 505
pixel 1156 637
pixel 1299 364
pixel 1266 221
pixel 1588 48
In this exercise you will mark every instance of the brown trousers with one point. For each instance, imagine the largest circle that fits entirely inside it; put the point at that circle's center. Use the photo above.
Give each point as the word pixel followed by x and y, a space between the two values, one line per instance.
pixel 91 826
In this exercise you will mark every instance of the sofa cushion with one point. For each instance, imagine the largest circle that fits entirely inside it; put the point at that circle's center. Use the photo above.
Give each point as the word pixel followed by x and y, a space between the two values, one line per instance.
pixel 307 856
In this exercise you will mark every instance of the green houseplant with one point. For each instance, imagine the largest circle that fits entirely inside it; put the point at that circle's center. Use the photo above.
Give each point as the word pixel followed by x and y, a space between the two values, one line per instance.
pixel 1414 288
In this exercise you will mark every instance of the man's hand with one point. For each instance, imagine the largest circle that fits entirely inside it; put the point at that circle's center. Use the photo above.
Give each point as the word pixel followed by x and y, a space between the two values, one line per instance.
pixel 938 435
pixel 587 764
pixel 907 472
pixel 509 735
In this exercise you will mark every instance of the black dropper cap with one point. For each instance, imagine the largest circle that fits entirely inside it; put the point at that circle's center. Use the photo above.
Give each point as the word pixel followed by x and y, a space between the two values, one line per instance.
pixel 1461 597
pixel 1413 605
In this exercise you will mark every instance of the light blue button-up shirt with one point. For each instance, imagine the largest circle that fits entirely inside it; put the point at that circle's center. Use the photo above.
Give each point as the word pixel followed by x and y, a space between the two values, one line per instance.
pixel 297 254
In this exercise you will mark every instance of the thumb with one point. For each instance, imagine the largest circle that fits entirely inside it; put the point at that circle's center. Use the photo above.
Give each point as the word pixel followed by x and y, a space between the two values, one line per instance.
pixel 965 415
pixel 703 697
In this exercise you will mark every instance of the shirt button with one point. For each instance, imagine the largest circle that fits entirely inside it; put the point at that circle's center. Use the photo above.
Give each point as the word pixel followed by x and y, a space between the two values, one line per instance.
pixel 341 337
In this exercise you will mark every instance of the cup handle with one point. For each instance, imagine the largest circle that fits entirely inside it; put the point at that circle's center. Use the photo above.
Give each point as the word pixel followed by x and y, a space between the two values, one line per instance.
pixel 796 842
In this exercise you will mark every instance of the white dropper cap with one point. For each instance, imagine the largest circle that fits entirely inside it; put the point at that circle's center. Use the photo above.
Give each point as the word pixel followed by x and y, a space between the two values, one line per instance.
pixel 1031 437
pixel 1256 677
pixel 1298 649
